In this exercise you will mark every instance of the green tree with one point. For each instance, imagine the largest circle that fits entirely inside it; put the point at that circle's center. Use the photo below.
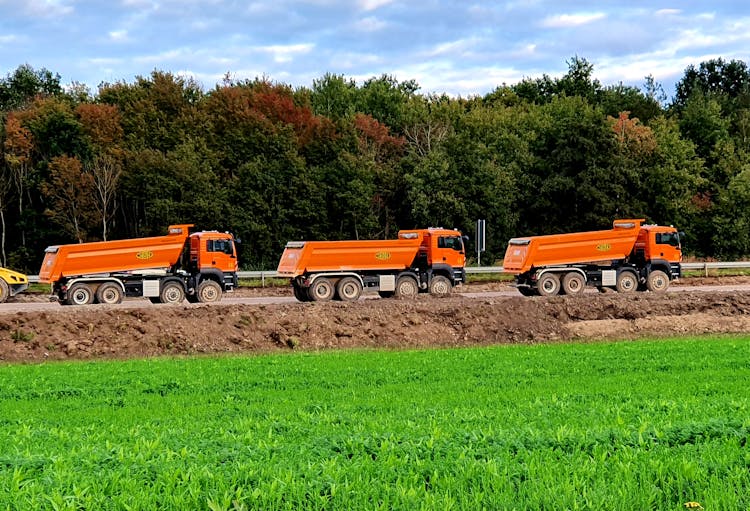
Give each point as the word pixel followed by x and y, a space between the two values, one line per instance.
pixel 159 112
pixel 702 122
pixel 333 96
pixel 180 186
pixel 717 78
pixel 731 235
pixel 576 82
pixel 23 85
pixel 385 99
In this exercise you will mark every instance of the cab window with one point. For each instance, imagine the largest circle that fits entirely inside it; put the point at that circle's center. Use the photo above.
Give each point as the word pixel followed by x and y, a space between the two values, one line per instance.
pixel 224 246
pixel 668 238
pixel 453 242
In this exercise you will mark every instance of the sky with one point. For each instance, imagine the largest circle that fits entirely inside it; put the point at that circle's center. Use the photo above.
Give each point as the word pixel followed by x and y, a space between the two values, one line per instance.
pixel 462 48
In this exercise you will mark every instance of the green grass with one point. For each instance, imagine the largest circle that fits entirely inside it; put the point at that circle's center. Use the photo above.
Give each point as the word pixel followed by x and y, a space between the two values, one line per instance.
pixel 721 272
pixel 623 426
pixel 268 282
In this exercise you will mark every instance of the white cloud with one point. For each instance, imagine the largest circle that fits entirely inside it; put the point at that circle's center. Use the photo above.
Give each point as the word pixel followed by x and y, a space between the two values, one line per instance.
pixel 668 12
pixel 442 77
pixel 353 60
pixel 104 61
pixel 139 3
pixel 47 8
pixel 371 5
pixel 459 47
pixel 118 35
pixel 285 53
pixel 8 39
pixel 370 24
pixel 571 20
pixel 160 58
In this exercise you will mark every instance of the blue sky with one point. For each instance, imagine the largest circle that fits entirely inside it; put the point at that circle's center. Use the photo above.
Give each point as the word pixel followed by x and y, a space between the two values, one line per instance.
pixel 458 47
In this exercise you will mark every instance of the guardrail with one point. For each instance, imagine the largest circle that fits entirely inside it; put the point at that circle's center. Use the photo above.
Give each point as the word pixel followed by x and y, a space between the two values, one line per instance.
pixel 268 274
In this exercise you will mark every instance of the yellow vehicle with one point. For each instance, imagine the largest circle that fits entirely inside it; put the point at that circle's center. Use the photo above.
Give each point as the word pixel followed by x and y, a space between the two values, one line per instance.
pixel 11 283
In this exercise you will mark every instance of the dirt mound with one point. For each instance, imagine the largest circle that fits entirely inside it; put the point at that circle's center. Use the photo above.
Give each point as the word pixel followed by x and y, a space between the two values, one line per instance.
pixel 101 332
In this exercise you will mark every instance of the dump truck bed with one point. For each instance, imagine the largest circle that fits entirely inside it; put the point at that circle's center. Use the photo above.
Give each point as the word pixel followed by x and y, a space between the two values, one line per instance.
pixel 302 257
pixel 138 254
pixel 572 248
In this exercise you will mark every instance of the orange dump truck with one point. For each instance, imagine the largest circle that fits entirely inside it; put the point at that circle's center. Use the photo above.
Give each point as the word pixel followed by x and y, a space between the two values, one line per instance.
pixel 424 260
pixel 630 256
pixel 165 269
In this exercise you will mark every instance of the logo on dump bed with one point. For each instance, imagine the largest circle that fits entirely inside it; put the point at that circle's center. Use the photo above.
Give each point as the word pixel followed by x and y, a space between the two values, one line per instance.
pixel 382 256
pixel 604 247
pixel 144 254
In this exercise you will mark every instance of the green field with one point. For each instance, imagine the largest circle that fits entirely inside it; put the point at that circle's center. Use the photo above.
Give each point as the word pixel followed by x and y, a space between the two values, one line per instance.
pixel 623 426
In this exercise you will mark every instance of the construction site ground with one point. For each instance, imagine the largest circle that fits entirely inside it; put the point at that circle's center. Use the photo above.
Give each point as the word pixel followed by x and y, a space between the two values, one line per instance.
pixel 141 329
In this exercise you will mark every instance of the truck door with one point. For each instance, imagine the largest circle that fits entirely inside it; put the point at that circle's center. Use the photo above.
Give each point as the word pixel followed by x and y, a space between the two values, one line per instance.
pixel 667 246
pixel 450 251
pixel 219 253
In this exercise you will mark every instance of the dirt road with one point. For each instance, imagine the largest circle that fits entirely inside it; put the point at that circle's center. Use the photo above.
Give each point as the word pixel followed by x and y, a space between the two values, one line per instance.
pixel 32 330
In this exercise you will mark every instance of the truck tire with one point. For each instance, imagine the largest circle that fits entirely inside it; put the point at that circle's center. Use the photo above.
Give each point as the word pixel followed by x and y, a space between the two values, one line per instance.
pixel 573 283
pixel 4 291
pixel 172 293
pixel 209 291
pixel 349 289
pixel 627 282
pixel 407 287
pixel 657 281
pixel 80 294
pixel 300 293
pixel 109 293
pixel 321 290
pixel 548 285
pixel 386 294
pixel 440 286
pixel 527 291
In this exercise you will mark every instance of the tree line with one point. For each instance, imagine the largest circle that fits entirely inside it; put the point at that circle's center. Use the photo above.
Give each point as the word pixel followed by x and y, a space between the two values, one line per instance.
pixel 340 160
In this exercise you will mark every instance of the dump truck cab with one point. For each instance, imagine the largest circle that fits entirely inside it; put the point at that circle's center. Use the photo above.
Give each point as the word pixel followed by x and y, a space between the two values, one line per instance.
pixel 440 251
pixel 214 253
pixel 659 245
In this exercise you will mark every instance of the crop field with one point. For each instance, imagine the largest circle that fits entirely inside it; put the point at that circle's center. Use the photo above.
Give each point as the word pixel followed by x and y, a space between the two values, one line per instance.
pixel 602 426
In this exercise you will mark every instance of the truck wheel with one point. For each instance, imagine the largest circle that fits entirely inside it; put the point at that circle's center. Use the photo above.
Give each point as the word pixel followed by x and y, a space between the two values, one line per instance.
pixel 386 294
pixel 548 284
pixel 349 289
pixel 406 287
pixel 657 281
pixel 80 294
pixel 321 290
pixel 208 291
pixel 300 293
pixel 109 293
pixel 573 283
pixel 526 291
pixel 4 291
pixel 440 286
pixel 627 282
pixel 172 293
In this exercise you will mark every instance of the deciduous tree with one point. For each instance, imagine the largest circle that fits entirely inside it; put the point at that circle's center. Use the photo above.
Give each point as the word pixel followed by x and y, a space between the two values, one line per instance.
pixel 70 192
